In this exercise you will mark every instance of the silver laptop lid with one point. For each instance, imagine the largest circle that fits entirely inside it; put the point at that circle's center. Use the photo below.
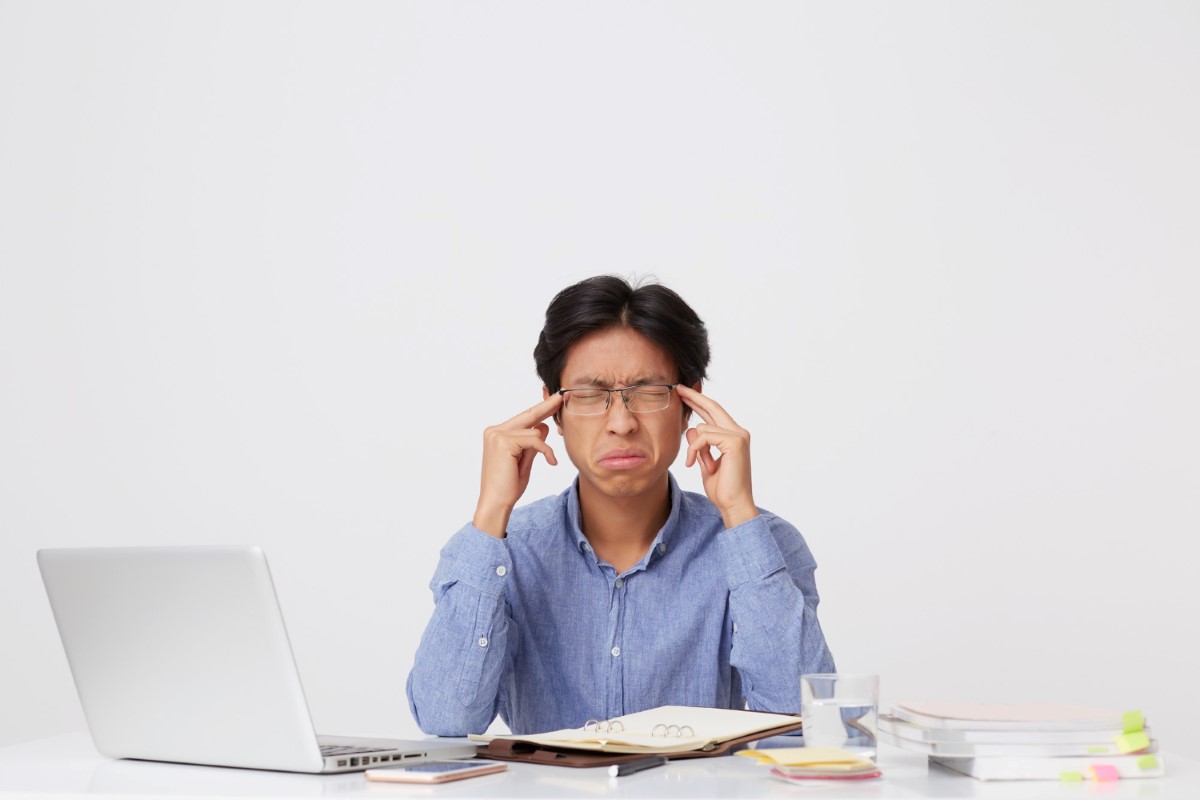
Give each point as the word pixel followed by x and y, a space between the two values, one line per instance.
pixel 181 654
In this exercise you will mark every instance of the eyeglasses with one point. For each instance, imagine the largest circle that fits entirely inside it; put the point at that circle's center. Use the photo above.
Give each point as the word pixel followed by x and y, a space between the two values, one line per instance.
pixel 644 399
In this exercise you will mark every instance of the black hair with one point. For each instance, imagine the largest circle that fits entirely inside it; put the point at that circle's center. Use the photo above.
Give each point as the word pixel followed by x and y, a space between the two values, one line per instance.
pixel 608 301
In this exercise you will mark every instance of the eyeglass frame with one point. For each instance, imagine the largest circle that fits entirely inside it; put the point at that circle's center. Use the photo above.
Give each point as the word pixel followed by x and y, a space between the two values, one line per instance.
pixel 670 387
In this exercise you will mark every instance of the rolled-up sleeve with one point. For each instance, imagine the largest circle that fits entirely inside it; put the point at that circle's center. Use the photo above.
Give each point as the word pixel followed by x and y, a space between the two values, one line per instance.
pixel 454 684
pixel 773 603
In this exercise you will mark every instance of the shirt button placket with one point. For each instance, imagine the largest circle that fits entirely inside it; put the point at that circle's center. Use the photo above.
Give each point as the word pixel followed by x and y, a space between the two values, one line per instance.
pixel 616 689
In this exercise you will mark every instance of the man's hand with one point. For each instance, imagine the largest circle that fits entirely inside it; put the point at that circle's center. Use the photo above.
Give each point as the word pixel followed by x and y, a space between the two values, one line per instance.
pixel 726 477
pixel 508 452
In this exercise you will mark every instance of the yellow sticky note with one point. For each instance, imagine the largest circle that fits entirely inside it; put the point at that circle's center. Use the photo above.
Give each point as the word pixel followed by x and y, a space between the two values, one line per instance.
pixel 828 757
pixel 1098 749
pixel 1133 741
pixel 1070 776
pixel 1147 762
pixel 1132 722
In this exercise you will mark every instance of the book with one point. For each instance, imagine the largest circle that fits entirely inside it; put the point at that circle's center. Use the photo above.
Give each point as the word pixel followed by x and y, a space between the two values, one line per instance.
pixel 911 731
pixel 1013 717
pixel 1087 768
pixel 984 750
pixel 955 744
pixel 674 731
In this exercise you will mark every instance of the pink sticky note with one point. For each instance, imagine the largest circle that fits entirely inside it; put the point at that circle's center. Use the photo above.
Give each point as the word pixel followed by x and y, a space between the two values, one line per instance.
pixel 1105 772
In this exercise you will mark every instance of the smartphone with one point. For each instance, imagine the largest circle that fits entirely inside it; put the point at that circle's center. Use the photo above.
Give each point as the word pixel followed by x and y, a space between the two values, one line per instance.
pixel 436 771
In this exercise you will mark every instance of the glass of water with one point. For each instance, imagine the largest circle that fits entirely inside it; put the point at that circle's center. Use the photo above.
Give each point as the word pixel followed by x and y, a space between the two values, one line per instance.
pixel 840 710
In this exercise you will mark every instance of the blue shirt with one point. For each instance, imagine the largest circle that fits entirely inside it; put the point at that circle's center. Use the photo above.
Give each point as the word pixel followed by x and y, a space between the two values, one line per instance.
pixel 536 628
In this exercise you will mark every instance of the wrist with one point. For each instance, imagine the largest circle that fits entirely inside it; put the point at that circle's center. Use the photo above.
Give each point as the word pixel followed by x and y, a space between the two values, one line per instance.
pixel 492 518
pixel 739 514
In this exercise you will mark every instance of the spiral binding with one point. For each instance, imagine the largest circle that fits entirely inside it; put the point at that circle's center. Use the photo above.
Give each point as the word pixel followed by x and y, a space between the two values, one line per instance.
pixel 661 729
pixel 605 726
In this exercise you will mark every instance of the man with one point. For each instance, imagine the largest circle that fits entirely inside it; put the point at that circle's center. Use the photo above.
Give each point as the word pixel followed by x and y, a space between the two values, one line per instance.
pixel 622 593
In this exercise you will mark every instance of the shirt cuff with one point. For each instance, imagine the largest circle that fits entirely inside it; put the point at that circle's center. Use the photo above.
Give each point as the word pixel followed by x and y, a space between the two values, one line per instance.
pixel 750 552
pixel 479 560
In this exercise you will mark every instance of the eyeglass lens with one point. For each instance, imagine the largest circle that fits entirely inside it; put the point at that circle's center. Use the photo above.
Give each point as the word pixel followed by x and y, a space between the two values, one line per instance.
pixel 638 399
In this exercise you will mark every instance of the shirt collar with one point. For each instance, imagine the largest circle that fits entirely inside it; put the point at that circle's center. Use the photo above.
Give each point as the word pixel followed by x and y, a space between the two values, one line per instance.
pixel 662 541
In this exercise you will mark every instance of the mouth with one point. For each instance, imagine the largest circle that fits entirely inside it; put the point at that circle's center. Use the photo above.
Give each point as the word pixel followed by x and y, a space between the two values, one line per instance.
pixel 622 459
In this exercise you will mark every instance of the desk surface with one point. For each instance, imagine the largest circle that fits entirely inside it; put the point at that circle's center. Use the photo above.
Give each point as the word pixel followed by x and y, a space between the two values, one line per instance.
pixel 68 766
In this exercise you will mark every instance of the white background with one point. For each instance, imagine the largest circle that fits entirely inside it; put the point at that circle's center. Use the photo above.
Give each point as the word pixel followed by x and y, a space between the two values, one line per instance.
pixel 267 270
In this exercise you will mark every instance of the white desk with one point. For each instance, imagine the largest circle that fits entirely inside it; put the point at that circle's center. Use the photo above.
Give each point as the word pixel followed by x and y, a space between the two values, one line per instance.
pixel 68 766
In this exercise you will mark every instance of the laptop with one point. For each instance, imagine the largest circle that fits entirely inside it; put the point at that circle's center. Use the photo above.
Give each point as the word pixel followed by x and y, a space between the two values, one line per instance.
pixel 180 654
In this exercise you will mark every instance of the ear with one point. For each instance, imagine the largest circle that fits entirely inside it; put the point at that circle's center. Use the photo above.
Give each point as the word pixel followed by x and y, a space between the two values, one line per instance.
pixel 557 414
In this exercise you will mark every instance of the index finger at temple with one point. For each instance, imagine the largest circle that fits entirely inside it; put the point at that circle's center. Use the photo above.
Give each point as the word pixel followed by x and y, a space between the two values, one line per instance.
pixel 532 416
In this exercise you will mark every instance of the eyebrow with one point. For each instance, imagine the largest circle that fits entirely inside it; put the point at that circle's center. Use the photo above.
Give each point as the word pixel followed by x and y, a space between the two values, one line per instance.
pixel 602 383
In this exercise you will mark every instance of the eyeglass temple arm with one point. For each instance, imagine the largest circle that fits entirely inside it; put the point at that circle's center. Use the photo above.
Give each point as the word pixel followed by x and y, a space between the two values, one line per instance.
pixel 624 389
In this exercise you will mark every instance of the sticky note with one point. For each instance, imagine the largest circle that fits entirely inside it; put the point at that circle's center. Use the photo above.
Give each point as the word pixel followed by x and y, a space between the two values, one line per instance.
pixel 1070 776
pixel 1147 762
pixel 1100 749
pixel 1105 772
pixel 1132 722
pixel 1133 741
pixel 826 757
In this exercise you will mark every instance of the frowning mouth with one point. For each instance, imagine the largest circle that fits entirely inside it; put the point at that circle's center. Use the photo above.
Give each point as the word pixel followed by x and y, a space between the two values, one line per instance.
pixel 622 459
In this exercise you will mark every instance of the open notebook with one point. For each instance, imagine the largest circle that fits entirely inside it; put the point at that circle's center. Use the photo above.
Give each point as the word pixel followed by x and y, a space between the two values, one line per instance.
pixel 673 731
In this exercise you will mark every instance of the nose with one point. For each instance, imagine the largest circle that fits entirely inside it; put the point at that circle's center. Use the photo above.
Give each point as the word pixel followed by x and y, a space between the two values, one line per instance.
pixel 619 419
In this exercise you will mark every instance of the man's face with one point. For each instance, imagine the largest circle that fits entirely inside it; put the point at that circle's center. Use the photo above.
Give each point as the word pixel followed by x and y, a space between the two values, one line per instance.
pixel 619 453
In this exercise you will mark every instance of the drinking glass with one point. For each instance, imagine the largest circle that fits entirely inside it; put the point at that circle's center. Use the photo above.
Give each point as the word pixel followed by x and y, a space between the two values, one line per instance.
pixel 840 710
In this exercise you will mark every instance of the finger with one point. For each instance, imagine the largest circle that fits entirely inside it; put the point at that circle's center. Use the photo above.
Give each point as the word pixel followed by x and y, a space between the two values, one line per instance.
pixel 525 463
pixel 725 441
pixel 699 449
pixel 710 410
pixel 542 430
pixel 690 435
pixel 535 414
pixel 544 449
pixel 518 443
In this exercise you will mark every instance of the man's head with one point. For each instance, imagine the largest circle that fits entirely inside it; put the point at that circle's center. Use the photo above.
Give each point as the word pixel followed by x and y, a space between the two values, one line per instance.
pixel 605 333
pixel 607 301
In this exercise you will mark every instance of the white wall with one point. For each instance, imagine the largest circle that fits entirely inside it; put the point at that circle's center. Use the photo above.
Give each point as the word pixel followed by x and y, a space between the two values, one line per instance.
pixel 268 269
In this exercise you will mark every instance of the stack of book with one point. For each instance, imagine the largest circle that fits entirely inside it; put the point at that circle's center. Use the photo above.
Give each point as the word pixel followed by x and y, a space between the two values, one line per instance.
pixel 1027 741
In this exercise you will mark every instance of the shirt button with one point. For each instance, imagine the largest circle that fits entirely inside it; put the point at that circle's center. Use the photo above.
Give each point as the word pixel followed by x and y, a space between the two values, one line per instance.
pixel 662 548
pixel 501 570
pixel 483 641
pixel 616 651
pixel 619 582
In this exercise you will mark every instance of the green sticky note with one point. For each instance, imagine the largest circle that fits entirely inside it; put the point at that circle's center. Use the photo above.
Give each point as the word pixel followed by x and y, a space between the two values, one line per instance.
pixel 1133 741
pixel 1097 749
pixel 1070 776
pixel 1132 722
pixel 1147 762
